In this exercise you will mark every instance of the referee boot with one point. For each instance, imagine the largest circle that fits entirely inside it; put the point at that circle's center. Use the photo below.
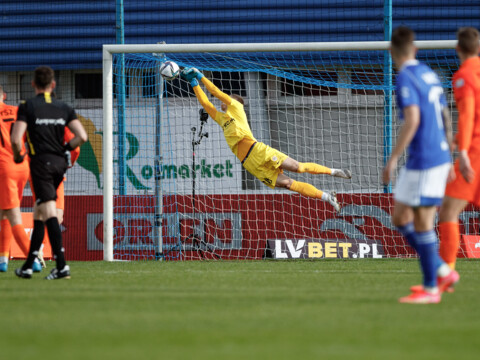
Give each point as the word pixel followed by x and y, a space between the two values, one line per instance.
pixel 56 274
pixel 24 274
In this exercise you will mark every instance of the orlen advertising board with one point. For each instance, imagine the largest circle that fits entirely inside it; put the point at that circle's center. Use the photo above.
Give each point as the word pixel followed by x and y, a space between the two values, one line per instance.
pixel 281 226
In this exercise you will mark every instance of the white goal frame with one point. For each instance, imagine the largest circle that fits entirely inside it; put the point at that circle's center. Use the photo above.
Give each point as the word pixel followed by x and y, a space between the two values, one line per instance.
pixel 109 50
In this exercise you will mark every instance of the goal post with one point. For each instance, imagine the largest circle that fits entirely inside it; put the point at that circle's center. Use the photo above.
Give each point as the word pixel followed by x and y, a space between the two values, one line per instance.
pixel 107 154
pixel 316 102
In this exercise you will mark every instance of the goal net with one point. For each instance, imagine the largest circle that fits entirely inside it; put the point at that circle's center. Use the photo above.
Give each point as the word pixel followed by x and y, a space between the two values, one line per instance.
pixel 172 193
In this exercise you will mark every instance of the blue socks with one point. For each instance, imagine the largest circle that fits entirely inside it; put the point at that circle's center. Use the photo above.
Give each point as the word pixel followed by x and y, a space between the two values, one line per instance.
pixel 429 258
pixel 408 232
pixel 425 244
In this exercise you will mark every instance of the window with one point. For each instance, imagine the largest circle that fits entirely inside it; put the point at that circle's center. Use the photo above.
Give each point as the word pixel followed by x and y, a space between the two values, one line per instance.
pixel 298 88
pixel 174 88
pixel 27 91
pixel 88 86
pixel 367 77
pixel 149 85
pixel 230 82
pixel 179 88
pixel 116 86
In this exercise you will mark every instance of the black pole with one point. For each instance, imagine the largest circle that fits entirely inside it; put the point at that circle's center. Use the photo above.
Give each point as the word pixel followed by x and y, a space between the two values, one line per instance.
pixel 197 242
pixel 194 171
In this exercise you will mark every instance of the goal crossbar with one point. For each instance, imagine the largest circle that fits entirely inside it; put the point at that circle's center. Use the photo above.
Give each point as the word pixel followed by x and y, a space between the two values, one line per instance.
pixel 270 47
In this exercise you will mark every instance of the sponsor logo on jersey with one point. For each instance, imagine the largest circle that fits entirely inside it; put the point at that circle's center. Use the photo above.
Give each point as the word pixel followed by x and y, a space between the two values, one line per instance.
pixel 227 123
pixel 50 121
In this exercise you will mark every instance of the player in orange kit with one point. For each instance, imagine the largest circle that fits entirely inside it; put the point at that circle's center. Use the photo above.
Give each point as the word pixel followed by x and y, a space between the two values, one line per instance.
pixel 466 186
pixel 13 177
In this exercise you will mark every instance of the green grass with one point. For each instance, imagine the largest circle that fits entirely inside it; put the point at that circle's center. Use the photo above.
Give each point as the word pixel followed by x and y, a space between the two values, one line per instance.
pixel 237 310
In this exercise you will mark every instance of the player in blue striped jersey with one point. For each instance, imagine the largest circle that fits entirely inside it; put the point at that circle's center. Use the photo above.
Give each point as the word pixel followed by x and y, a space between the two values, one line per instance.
pixel 426 131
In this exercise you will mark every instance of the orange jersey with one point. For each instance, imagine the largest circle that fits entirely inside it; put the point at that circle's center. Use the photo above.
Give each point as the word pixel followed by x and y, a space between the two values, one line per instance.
pixel 460 188
pixel 67 137
pixel 8 115
pixel 13 177
pixel 466 87
pixel 12 183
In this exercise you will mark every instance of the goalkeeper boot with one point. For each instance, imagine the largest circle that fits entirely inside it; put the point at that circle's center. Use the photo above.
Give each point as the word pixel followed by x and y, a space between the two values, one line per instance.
pixel 421 297
pixel 342 173
pixel 24 274
pixel 332 199
pixel 56 274
pixel 3 267
pixel 37 266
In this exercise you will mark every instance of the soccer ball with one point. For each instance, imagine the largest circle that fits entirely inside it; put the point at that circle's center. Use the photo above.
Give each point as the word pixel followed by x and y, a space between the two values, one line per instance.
pixel 169 70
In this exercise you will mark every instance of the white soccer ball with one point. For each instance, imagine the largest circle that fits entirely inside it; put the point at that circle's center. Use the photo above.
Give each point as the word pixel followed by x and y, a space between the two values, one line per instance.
pixel 169 70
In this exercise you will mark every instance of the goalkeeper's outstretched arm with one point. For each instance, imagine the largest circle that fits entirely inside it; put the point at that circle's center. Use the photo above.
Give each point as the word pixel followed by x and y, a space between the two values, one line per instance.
pixel 215 91
pixel 203 100
pixel 193 75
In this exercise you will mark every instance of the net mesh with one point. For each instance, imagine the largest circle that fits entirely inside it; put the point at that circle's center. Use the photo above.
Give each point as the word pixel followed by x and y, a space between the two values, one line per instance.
pixel 322 107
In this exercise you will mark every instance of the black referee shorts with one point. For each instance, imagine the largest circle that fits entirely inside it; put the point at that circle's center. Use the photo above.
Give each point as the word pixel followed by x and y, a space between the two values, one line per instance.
pixel 47 172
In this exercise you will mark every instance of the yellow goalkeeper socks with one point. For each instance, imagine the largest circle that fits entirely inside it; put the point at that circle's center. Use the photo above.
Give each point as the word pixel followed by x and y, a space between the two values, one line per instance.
pixel 313 168
pixel 306 189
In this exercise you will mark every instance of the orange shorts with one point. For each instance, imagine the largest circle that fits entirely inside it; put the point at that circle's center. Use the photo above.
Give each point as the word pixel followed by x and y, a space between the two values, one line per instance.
pixel 12 183
pixel 459 188
pixel 60 202
pixel 60 196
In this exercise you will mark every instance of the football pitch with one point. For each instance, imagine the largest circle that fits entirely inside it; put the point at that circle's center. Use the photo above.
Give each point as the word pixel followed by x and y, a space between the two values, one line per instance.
pixel 237 310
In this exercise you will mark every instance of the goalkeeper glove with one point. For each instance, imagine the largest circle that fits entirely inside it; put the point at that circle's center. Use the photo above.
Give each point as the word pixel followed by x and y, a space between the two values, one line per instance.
pixel 199 74
pixel 191 75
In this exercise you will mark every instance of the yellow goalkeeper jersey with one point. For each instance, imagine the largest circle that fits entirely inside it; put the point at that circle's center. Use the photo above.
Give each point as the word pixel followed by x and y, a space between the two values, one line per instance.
pixel 235 126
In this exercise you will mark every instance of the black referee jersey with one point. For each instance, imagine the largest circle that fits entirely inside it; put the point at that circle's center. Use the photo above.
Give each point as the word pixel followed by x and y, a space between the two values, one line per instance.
pixel 46 118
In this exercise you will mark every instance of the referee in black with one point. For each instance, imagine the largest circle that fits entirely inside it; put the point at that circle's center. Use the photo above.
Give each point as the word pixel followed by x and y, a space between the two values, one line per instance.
pixel 44 119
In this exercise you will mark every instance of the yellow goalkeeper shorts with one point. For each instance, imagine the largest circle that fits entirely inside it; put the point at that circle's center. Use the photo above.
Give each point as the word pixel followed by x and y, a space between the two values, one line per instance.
pixel 264 163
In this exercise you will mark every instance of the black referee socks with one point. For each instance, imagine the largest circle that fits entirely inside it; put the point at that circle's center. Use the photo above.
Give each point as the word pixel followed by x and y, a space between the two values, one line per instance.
pixel 55 236
pixel 37 239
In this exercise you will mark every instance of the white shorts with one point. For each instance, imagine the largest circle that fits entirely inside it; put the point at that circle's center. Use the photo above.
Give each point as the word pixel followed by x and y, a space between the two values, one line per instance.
pixel 422 187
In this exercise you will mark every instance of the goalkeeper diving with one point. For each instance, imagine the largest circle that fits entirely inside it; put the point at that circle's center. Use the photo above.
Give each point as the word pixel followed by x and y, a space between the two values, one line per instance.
pixel 260 160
